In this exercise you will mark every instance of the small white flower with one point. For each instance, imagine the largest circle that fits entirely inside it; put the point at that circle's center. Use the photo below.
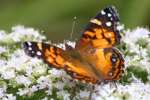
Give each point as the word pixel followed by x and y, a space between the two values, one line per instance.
pixel 2 92
pixel 23 80
pixel 34 88
pixel 2 49
pixel 59 85
pixel 39 70
pixel 29 70
pixel 17 60
pixel 22 92
pixel 133 36
pixel 9 97
pixel 49 91
pixel 3 63
pixel 64 94
pixel 56 73
pixel 8 74
pixel 20 31
pixel 84 94
pixel 45 98
pixel 44 82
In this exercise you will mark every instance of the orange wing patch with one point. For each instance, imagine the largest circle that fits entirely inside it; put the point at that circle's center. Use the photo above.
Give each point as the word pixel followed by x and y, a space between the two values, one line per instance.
pixel 80 73
pixel 53 57
pixel 99 38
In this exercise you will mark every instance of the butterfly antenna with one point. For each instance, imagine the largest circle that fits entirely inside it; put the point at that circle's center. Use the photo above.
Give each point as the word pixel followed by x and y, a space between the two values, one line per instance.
pixel 73 26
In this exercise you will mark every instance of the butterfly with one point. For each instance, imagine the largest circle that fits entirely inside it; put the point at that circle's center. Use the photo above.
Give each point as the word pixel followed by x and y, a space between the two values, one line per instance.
pixel 94 58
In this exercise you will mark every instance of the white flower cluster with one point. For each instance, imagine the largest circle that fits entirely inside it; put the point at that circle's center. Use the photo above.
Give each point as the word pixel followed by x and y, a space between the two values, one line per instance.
pixel 138 48
pixel 24 77
pixel 19 33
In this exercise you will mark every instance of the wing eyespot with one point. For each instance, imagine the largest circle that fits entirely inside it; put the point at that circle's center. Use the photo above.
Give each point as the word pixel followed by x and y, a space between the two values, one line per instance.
pixel 114 59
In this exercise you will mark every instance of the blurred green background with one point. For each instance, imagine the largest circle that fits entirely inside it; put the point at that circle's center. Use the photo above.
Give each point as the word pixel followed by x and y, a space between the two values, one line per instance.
pixel 56 17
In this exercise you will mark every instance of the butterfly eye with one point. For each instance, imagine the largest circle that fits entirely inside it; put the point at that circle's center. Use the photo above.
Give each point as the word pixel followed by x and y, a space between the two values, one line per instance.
pixel 113 59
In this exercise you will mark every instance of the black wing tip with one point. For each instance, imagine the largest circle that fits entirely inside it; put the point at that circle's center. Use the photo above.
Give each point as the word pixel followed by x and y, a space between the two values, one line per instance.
pixel 31 49
pixel 112 9
pixel 109 11
pixel 25 46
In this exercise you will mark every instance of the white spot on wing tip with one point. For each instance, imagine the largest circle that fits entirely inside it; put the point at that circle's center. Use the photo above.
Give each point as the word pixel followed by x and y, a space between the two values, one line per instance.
pixel 29 43
pixel 38 53
pixel 109 15
pixel 32 52
pixel 29 48
pixel 103 12
pixel 108 24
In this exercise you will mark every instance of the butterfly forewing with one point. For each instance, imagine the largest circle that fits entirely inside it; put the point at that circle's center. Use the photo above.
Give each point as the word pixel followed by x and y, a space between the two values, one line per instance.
pixel 50 54
pixel 101 32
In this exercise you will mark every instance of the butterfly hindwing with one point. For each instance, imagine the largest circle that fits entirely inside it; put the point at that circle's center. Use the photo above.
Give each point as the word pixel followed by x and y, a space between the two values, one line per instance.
pixel 101 32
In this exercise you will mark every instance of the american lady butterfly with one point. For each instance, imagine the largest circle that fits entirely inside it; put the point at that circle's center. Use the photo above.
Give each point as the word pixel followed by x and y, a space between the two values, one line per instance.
pixel 94 58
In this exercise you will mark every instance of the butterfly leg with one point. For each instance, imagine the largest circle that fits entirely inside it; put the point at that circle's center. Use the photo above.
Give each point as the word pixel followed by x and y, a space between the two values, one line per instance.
pixel 92 88
pixel 113 84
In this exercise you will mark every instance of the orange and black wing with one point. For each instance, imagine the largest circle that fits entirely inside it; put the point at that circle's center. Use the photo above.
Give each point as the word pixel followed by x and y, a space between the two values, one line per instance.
pixel 52 55
pixel 61 59
pixel 101 31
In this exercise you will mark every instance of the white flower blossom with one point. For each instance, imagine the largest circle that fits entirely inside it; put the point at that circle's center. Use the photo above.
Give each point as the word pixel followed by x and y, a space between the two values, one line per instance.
pixel 23 80
pixel 133 36
pixel 45 98
pixel 23 91
pixel 9 97
pixel 84 94
pixel 44 82
pixel 2 49
pixel 8 74
pixel 64 94
pixel 2 92
pixel 19 31
pixel 56 72
pixel 34 88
